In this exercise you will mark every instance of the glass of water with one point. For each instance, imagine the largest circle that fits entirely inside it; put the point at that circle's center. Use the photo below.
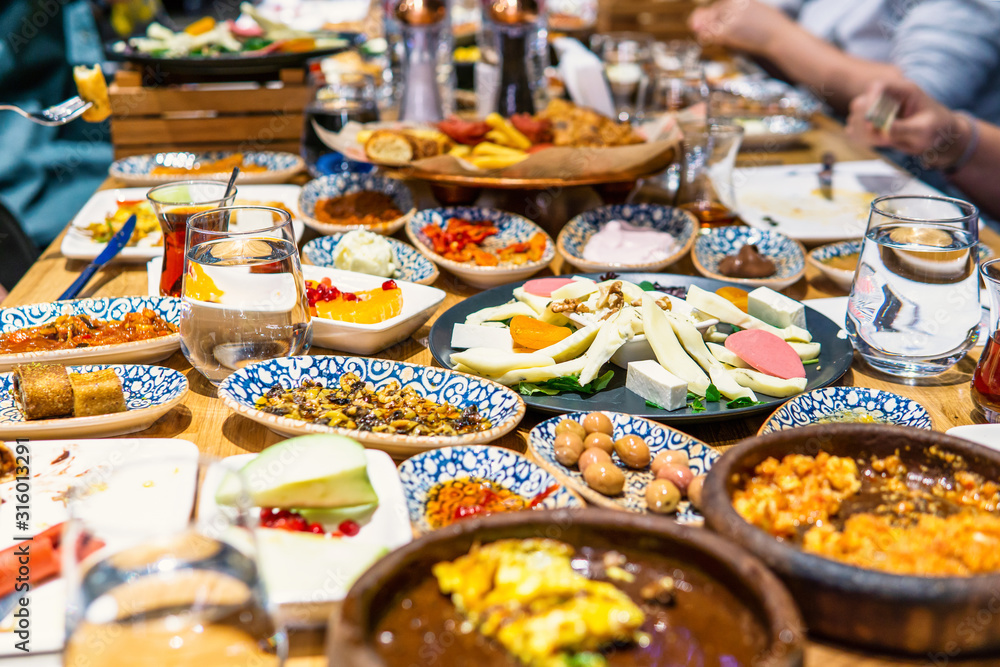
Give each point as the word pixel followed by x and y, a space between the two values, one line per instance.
pixel 147 586
pixel 628 61
pixel 244 297
pixel 914 306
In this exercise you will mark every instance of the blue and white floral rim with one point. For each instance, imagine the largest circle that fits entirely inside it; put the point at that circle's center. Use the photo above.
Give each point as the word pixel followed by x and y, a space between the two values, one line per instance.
pixel 413 266
pixel 675 221
pixel 512 228
pixel 501 405
pixel 154 349
pixel 810 407
pixel 541 441
pixel 150 392
pixel 137 169
pixel 508 469
pixel 712 245
pixel 338 185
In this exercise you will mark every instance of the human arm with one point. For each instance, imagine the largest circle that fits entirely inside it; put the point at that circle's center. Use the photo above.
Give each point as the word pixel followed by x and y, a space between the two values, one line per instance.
pixel 760 29
pixel 942 138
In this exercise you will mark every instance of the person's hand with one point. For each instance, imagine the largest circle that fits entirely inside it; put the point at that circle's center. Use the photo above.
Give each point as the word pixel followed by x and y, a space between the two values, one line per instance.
pixel 748 25
pixel 923 126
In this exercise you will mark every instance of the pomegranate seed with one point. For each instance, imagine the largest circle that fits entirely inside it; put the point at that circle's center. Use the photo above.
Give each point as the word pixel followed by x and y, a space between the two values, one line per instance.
pixel 283 514
pixel 266 513
pixel 348 296
pixel 349 528
pixel 334 293
pixel 389 284
pixel 316 528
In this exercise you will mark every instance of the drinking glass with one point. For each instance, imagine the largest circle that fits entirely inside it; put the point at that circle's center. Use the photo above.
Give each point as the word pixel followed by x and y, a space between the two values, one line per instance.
pixel 628 61
pixel 244 297
pixel 676 54
pixel 705 181
pixel 914 304
pixel 680 88
pixel 148 586
pixel 341 97
pixel 174 204
pixel 986 379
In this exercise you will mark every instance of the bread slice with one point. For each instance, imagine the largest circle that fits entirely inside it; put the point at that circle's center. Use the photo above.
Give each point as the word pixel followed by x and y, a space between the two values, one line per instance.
pixel 390 147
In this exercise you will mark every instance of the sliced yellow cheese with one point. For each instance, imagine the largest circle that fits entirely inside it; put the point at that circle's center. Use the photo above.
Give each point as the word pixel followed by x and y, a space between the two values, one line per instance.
pixel 728 386
pixel 573 345
pixel 692 342
pixel 668 349
pixel 538 303
pixel 575 290
pixel 494 363
pixel 806 351
pixel 498 313
pixel 542 373
pixel 726 356
pixel 716 306
pixel 614 332
pixel 768 384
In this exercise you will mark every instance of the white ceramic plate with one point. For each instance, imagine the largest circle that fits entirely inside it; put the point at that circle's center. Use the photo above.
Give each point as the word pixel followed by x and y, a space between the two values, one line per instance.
pixel 150 393
pixel 77 244
pixel 52 477
pixel 419 303
pixel 294 582
pixel 135 170
pixel 987 435
pixel 786 198
pixel 154 349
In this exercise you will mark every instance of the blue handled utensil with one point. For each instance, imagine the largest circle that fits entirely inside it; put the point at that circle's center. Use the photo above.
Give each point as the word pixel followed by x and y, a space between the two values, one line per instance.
pixel 111 250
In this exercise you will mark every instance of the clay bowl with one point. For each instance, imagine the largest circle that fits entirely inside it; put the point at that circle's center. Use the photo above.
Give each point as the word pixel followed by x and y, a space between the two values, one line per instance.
pixel 867 608
pixel 699 553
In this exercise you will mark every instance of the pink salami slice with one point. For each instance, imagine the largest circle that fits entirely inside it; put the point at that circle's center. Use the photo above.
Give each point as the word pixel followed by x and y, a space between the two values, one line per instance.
pixel 545 286
pixel 766 353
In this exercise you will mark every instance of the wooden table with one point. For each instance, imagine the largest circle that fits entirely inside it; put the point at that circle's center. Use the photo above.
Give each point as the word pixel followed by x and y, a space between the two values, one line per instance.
pixel 207 422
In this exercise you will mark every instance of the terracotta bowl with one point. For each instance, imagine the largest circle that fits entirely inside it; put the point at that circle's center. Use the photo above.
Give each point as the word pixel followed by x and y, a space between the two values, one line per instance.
pixel 868 608
pixel 352 635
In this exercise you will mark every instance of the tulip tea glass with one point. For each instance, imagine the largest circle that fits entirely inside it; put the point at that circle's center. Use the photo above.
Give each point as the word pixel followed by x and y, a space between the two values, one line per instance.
pixel 986 379
pixel 705 182
pixel 174 204
pixel 914 306
pixel 244 298
pixel 147 586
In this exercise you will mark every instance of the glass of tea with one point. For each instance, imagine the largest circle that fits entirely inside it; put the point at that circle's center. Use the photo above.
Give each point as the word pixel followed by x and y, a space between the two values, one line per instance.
pixel 174 204
pixel 986 379
pixel 243 294
pixel 705 181
pixel 340 98
pixel 914 305
pixel 148 586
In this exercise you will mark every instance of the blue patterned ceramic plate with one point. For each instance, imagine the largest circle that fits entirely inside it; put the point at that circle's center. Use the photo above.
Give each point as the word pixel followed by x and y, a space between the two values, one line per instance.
pixel 512 229
pixel 819 257
pixel 884 406
pixel 713 244
pixel 150 393
pixel 657 436
pixel 154 349
pixel 502 406
pixel 412 266
pixel 422 473
pixel 338 185
pixel 678 223
pixel 279 167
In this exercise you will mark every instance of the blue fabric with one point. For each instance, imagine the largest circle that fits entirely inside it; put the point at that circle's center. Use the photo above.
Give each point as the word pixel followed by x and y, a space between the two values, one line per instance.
pixel 46 173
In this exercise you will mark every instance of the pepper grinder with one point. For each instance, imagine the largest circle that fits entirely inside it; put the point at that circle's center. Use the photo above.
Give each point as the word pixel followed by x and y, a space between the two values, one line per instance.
pixel 423 26
pixel 515 22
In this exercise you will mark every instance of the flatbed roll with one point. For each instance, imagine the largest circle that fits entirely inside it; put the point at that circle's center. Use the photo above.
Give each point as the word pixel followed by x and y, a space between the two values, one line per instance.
pixel 42 391
pixel 97 393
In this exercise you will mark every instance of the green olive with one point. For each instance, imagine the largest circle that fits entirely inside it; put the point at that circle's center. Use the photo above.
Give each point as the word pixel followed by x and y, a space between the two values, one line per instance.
pixel 633 451
pixel 695 490
pixel 570 426
pixel 598 422
pixel 601 441
pixel 605 478
pixel 669 456
pixel 568 447
pixel 662 497
pixel 592 455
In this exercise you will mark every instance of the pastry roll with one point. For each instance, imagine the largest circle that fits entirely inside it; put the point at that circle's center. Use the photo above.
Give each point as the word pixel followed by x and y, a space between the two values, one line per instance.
pixel 97 393
pixel 42 391
pixel 8 464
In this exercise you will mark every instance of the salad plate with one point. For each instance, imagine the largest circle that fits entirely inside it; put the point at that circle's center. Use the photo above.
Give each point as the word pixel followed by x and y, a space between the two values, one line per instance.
pixel 419 303
pixel 501 405
pixel 79 242
pixel 338 185
pixel 680 224
pixel 834 360
pixel 658 437
pixel 278 166
pixel 425 476
pixel 112 308
pixel 511 228
pixel 412 266
pixel 150 392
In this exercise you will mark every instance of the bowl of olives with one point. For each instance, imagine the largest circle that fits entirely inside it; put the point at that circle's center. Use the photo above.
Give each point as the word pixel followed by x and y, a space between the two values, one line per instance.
pixel 620 461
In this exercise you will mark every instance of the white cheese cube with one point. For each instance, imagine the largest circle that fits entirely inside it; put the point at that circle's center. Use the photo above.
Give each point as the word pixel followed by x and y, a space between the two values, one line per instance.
pixel 464 336
pixel 776 309
pixel 657 385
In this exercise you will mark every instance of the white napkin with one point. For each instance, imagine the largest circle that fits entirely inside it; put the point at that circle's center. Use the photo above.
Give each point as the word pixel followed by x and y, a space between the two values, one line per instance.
pixel 583 74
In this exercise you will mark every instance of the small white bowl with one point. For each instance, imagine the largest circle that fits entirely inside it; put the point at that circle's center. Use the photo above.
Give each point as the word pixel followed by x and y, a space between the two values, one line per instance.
pixel 419 303
pixel 512 229
pixel 842 278
pixel 987 435
pixel 712 245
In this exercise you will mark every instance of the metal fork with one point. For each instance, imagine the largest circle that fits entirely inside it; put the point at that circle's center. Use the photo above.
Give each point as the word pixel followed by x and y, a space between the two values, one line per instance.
pixel 59 114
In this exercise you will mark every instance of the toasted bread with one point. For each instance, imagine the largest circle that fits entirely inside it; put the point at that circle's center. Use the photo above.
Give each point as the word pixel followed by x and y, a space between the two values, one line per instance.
pixel 390 147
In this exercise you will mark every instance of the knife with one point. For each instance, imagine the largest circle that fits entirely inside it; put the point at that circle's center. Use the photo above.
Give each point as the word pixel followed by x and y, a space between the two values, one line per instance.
pixel 114 246
pixel 826 176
